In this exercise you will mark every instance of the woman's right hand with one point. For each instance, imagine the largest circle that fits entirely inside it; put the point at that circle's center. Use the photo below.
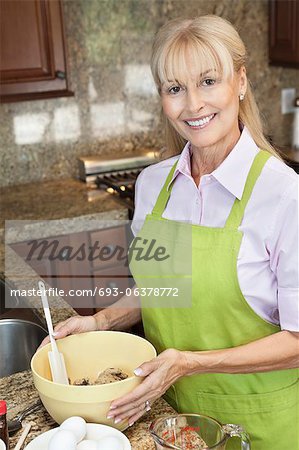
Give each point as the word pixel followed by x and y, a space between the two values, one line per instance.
pixel 75 325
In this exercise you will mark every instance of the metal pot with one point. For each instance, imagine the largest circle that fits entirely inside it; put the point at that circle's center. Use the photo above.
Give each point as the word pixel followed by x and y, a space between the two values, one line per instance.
pixel 19 340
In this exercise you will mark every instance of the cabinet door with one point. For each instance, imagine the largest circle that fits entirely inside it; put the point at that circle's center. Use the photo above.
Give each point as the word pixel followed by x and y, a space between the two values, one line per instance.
pixel 52 258
pixel 110 285
pixel 110 247
pixel 33 58
pixel 284 33
pixel 69 263
pixel 73 275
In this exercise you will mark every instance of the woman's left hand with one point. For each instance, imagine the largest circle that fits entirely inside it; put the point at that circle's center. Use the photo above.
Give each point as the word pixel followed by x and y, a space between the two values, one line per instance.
pixel 160 373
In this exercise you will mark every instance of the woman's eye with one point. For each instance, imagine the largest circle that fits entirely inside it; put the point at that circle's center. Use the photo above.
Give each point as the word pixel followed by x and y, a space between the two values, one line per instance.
pixel 174 90
pixel 209 82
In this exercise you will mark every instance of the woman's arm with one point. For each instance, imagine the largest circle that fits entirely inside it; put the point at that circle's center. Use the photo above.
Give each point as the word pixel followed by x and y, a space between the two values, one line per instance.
pixel 276 352
pixel 121 315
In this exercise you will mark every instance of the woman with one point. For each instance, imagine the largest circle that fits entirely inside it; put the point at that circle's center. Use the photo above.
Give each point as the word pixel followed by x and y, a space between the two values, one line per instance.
pixel 233 354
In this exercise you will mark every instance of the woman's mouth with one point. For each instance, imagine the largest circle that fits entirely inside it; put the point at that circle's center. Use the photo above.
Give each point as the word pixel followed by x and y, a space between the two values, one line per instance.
pixel 200 123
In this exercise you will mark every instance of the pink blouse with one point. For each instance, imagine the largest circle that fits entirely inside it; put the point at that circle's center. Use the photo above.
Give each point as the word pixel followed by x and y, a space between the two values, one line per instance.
pixel 268 260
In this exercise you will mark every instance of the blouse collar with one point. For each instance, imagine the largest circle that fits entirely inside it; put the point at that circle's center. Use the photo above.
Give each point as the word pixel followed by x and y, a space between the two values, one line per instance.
pixel 232 172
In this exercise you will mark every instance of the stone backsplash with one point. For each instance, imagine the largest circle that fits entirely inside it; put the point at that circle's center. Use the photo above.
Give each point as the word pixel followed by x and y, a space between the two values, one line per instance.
pixel 115 107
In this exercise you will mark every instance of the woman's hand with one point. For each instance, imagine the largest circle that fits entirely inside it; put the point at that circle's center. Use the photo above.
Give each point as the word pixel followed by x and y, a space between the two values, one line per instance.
pixel 73 325
pixel 160 373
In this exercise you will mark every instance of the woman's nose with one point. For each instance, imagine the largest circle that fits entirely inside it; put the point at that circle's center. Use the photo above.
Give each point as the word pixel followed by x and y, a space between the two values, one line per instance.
pixel 194 100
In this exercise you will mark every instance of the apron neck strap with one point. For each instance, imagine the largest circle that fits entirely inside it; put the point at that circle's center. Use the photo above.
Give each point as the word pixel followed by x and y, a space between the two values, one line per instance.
pixel 164 194
pixel 237 212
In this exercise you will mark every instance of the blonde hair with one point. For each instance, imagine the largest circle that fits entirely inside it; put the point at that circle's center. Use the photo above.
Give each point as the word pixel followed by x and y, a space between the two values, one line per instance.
pixel 214 43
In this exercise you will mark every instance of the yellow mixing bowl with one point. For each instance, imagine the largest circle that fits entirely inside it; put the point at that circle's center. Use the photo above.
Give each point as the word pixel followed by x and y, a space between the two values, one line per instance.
pixel 86 355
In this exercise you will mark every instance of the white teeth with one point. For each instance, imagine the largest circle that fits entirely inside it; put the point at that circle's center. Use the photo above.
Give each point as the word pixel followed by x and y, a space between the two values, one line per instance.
pixel 200 122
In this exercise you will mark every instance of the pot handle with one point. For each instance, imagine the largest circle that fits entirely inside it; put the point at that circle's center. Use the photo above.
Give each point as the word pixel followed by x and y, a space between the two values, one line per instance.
pixel 236 430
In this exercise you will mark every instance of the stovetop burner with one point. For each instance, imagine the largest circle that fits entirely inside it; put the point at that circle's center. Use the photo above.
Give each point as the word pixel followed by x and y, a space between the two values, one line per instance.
pixel 121 184
pixel 117 175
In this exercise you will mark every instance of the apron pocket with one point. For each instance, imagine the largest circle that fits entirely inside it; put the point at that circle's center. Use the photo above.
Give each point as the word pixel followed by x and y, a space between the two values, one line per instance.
pixel 250 403
pixel 271 419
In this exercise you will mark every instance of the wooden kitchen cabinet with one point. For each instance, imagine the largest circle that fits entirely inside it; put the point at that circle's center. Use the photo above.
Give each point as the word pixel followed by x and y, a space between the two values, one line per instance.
pixel 33 52
pixel 284 33
pixel 52 261
pixel 115 279
pixel 65 263
pixel 111 274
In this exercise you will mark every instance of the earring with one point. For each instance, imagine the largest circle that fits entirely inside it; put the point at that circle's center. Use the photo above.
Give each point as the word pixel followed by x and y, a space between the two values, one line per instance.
pixel 241 97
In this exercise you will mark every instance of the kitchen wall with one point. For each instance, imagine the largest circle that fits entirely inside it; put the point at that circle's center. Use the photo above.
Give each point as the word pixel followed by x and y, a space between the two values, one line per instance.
pixel 115 107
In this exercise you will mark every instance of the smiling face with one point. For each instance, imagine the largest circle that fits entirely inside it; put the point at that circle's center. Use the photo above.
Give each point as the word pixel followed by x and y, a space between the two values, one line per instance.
pixel 203 104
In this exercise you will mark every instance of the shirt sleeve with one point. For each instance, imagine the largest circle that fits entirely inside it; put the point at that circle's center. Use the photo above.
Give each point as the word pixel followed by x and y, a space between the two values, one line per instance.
pixel 138 217
pixel 284 258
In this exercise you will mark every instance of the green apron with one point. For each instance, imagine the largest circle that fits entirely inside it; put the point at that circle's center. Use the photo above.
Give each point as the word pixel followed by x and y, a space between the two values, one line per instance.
pixel 266 404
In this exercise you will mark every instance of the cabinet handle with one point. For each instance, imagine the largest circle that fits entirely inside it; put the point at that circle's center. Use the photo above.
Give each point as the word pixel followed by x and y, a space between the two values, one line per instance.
pixel 64 254
pixel 111 248
pixel 112 285
pixel 59 74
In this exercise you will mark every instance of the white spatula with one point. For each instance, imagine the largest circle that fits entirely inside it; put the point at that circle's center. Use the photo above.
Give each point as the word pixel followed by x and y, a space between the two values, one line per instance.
pixel 56 360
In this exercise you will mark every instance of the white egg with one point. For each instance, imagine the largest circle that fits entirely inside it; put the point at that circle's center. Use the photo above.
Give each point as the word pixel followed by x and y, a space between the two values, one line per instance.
pixel 110 443
pixel 76 425
pixel 87 444
pixel 62 439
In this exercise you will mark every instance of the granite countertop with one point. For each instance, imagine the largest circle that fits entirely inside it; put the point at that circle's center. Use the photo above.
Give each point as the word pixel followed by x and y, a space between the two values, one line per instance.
pixel 53 200
pixel 19 392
